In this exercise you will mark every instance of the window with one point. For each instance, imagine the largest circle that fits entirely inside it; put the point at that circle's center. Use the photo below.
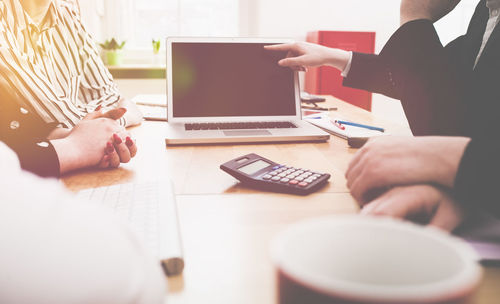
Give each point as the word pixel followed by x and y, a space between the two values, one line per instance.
pixel 139 21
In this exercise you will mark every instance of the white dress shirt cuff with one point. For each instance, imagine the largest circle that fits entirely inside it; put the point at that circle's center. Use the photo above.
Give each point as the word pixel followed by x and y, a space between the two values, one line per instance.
pixel 347 68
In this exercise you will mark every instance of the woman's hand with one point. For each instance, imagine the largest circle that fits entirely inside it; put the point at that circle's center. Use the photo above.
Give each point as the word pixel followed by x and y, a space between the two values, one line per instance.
pixel 120 149
pixel 425 9
pixel 388 161
pixel 92 143
pixel 126 109
pixel 303 54
pixel 421 203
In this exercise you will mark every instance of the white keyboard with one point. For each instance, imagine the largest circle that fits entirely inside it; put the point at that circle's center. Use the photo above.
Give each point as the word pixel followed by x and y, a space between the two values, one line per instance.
pixel 151 211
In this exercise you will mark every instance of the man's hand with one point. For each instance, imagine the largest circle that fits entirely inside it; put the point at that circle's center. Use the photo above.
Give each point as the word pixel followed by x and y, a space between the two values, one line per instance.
pixel 388 161
pixel 425 9
pixel 421 203
pixel 303 54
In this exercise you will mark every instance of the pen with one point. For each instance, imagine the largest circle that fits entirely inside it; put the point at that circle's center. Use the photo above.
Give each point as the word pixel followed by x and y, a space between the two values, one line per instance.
pixel 348 123
pixel 319 108
pixel 338 124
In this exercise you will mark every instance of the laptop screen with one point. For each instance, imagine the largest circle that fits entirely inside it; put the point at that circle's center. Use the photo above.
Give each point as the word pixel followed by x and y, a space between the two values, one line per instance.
pixel 230 79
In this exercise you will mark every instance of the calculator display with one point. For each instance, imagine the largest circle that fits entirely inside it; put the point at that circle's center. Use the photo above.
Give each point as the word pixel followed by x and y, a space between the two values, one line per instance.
pixel 254 167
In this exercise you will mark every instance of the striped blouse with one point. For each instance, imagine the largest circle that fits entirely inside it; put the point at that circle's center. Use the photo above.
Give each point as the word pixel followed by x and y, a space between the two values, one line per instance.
pixel 53 68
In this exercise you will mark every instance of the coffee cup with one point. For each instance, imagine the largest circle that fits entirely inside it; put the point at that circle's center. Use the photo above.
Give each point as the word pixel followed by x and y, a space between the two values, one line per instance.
pixel 363 259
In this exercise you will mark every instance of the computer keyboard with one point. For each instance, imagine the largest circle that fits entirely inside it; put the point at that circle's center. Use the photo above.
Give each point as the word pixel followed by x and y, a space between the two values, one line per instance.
pixel 239 125
pixel 150 209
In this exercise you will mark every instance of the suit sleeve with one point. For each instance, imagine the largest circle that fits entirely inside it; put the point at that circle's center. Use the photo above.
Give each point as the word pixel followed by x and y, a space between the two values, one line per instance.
pixel 415 68
pixel 476 183
pixel 408 48
pixel 26 134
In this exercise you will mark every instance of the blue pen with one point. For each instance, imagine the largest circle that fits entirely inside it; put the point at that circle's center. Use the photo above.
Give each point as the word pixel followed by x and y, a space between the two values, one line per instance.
pixel 348 123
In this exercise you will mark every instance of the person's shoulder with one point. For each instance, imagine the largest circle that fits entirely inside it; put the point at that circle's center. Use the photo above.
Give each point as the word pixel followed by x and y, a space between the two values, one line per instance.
pixel 70 7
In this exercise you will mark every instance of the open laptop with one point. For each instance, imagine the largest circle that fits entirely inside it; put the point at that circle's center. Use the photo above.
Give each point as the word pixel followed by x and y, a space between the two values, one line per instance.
pixel 232 90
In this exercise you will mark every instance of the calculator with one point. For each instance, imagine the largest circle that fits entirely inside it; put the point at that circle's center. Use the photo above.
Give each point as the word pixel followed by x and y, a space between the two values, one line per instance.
pixel 259 172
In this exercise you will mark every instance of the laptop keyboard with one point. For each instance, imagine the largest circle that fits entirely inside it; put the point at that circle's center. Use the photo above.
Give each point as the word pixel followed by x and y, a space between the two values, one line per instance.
pixel 239 125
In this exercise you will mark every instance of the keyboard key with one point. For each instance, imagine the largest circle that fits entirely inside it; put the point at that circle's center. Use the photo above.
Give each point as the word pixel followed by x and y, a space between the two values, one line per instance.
pixel 276 178
pixel 267 176
pixel 285 180
pixel 303 184
pixel 293 182
pixel 299 179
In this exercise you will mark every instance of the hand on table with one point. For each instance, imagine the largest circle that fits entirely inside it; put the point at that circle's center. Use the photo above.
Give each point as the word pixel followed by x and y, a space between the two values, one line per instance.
pixel 302 54
pixel 421 203
pixel 388 161
pixel 126 109
pixel 120 149
pixel 113 114
pixel 425 9
pixel 99 142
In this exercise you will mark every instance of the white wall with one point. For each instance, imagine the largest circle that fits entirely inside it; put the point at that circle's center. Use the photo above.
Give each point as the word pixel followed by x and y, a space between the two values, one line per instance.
pixel 294 18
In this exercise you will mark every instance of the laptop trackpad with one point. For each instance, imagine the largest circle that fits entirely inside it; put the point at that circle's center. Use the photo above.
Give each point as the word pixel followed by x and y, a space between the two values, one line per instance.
pixel 247 133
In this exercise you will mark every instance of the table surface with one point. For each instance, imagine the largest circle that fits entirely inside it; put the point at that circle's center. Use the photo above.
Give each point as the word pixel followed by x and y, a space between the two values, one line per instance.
pixel 226 228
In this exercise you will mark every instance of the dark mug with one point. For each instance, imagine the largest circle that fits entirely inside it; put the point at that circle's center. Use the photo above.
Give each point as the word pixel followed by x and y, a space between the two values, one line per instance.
pixel 367 260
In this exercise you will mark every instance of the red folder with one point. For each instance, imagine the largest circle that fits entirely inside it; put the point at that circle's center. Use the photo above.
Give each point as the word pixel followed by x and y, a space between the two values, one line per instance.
pixel 327 80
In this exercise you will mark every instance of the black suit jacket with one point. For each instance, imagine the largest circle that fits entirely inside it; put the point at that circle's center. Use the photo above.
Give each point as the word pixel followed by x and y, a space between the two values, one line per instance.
pixel 440 90
pixel 25 133
pixel 443 94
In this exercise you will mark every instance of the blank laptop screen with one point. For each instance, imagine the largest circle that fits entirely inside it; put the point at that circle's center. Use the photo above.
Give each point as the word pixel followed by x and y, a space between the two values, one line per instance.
pixel 230 79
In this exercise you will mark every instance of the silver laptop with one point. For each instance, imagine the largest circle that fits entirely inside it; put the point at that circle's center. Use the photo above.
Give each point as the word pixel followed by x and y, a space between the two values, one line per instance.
pixel 232 90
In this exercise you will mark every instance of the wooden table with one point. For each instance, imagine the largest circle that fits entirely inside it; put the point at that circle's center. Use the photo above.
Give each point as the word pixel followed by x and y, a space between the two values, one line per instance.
pixel 227 228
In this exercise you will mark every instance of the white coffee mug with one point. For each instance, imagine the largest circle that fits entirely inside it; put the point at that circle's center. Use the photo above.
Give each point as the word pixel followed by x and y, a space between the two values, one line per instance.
pixel 363 259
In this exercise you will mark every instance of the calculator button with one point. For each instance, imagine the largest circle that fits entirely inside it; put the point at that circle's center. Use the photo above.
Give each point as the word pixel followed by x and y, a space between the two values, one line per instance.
pixel 291 176
pixel 285 180
pixel 313 178
pixel 317 175
pixel 293 182
pixel 282 174
pixel 303 184
pixel 304 176
pixel 300 171
pixel 267 176
pixel 276 167
pixel 276 178
pixel 299 179
pixel 309 180
pixel 308 174
pixel 272 173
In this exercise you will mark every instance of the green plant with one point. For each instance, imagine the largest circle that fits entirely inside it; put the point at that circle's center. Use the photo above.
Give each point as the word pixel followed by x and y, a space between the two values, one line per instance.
pixel 156 46
pixel 112 45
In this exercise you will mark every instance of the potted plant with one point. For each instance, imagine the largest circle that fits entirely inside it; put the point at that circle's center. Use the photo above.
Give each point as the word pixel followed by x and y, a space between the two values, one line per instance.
pixel 113 51
pixel 156 51
pixel 156 46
